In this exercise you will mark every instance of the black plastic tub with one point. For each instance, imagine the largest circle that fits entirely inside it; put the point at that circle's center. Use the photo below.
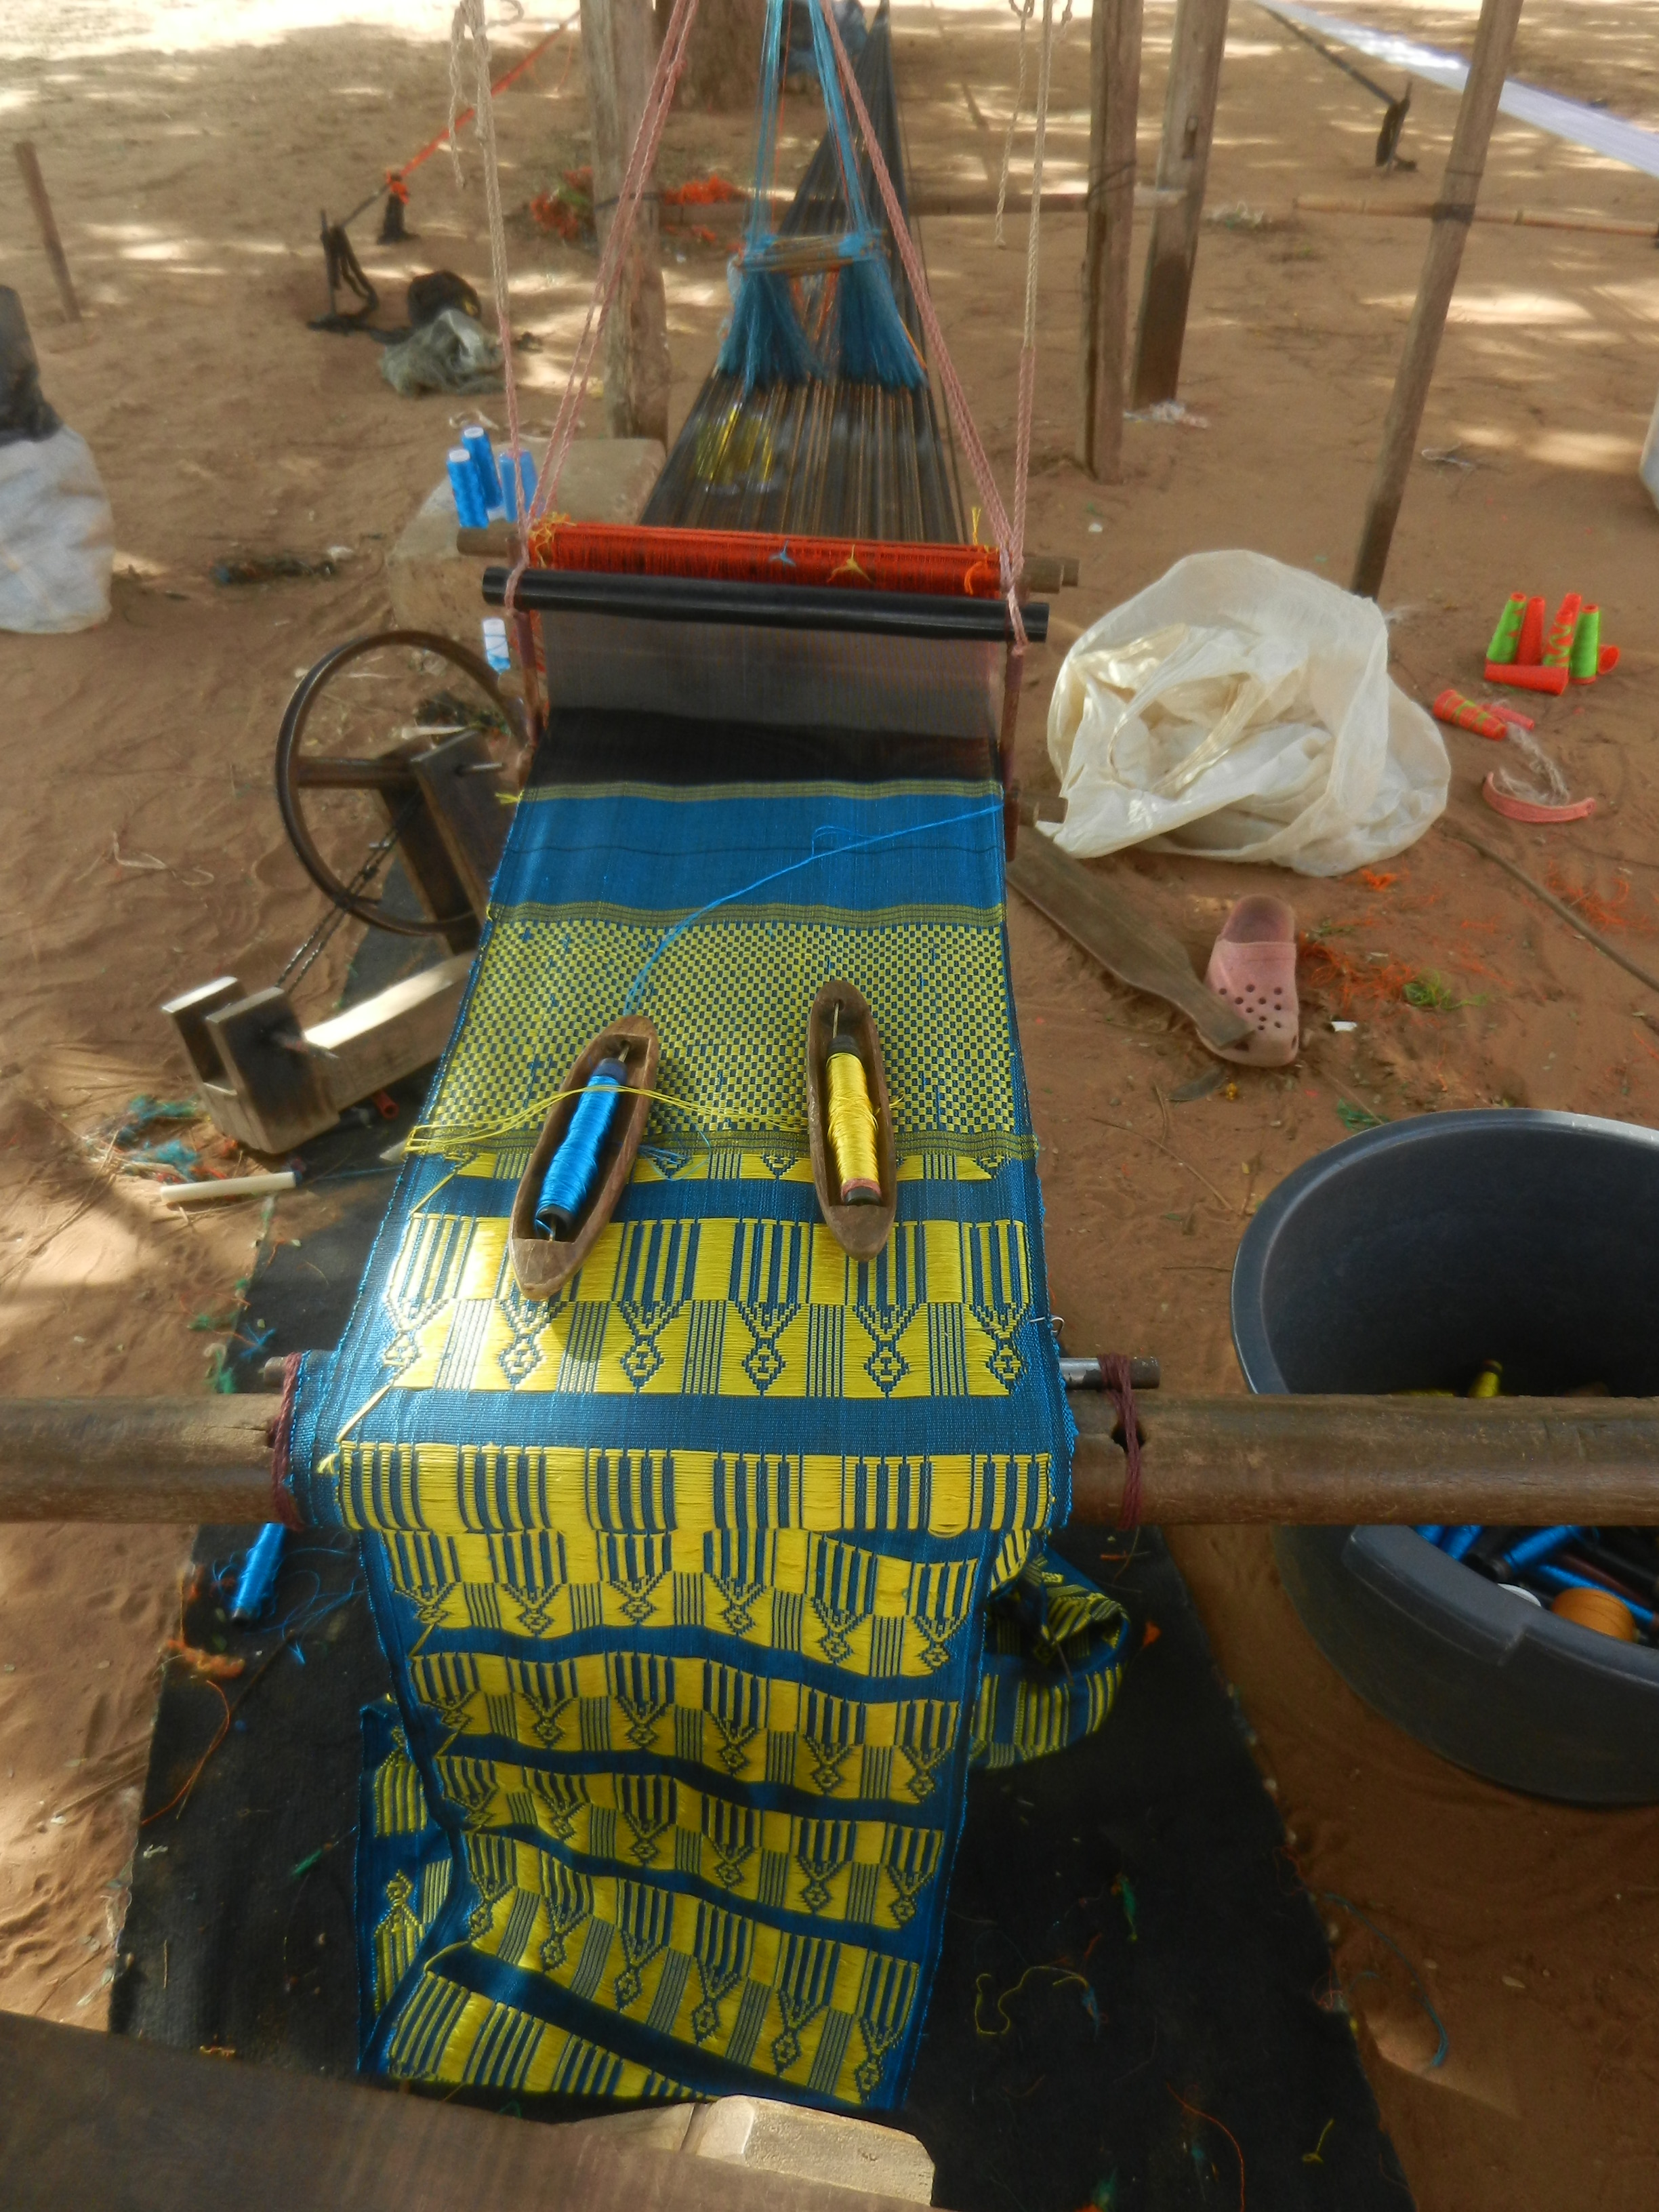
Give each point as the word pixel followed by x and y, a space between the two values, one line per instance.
pixel 1402 1260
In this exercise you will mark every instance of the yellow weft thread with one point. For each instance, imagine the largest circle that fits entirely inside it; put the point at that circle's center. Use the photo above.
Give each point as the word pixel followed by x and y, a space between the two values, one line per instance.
pixel 852 1130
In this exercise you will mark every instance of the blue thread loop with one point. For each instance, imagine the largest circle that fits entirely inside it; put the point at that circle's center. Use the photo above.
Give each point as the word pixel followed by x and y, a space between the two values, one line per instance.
pixel 574 1168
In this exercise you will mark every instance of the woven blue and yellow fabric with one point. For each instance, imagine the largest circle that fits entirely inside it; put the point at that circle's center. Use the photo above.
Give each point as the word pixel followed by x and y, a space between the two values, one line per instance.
pixel 685 1576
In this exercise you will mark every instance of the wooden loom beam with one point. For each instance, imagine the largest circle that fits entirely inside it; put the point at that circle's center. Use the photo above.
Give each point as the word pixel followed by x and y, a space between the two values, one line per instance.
pixel 130 2126
pixel 1300 1460
pixel 1454 211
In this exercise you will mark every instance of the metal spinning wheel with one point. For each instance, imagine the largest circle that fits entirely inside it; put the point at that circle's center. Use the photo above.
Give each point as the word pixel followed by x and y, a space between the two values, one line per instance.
pixel 376 758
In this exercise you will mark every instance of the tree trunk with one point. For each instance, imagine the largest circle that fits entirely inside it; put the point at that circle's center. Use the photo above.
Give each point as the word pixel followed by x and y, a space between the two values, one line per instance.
pixel 722 71
pixel 619 48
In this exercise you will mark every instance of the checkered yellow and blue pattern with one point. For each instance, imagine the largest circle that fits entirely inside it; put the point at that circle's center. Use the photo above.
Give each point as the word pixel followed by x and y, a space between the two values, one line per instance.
pixel 685 1575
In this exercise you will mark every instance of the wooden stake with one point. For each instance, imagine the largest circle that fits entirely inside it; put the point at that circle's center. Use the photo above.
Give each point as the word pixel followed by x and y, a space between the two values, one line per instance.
pixel 1183 162
pixel 1300 1460
pixel 1114 102
pixel 35 184
pixel 1494 37
pixel 618 47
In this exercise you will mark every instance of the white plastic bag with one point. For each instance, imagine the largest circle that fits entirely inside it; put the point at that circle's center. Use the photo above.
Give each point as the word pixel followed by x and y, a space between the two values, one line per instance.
pixel 1243 710
pixel 57 535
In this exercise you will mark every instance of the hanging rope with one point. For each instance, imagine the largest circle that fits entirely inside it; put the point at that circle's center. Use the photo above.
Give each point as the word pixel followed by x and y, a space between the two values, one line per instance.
pixel 1024 15
pixel 469 18
pixel 1033 235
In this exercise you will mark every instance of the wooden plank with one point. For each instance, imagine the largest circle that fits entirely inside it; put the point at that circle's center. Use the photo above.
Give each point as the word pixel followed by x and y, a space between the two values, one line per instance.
pixel 1097 917
pixel 100 2121
pixel 619 54
pixel 1459 187
pixel 1183 162
pixel 1295 1460
pixel 35 184
pixel 1114 105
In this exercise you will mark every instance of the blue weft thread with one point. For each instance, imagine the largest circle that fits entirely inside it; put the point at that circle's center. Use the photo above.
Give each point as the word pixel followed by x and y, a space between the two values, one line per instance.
pixel 574 1168
pixel 636 990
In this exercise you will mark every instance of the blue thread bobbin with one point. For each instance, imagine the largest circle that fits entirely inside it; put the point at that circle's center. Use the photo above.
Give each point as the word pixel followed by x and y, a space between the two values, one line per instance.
pixel 574 1168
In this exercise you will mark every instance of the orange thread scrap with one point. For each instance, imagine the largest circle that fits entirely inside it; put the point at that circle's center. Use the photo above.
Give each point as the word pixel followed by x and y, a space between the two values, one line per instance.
pixel 1353 982
pixel 1602 914
pixel 754 556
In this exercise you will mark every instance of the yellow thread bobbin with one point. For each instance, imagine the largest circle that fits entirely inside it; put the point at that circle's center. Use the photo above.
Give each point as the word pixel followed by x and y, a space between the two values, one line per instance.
pixel 852 1125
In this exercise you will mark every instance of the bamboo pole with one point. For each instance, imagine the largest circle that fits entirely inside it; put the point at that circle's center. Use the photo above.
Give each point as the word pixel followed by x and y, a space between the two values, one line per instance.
pixel 1454 211
pixel 35 184
pixel 1294 1459
pixel 1114 104
pixel 1183 162
pixel 1424 211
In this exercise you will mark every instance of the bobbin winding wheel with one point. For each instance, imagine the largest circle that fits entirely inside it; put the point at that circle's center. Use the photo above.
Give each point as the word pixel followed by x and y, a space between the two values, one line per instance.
pixel 400 745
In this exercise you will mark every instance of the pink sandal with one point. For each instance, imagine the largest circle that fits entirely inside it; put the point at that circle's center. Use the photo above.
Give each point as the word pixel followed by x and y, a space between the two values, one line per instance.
pixel 1253 967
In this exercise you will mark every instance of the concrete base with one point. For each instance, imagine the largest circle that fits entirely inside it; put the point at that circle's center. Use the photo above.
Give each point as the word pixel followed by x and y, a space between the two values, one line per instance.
pixel 435 587
pixel 769 2138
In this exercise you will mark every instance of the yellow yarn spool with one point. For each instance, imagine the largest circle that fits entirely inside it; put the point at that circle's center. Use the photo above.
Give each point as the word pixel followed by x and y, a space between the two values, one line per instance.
pixel 852 1126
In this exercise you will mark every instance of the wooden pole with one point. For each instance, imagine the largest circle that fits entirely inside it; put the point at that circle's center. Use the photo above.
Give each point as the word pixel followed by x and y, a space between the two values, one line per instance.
pixel 35 184
pixel 1295 1460
pixel 129 2126
pixel 1183 163
pixel 1114 104
pixel 1494 37
pixel 1425 211
pixel 619 52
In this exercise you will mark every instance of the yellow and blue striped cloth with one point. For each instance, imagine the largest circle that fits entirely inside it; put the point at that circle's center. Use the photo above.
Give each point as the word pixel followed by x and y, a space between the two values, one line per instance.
pixel 703 1582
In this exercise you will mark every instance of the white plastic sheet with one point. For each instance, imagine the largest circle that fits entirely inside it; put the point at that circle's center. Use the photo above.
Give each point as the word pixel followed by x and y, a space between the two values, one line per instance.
pixel 57 535
pixel 1242 710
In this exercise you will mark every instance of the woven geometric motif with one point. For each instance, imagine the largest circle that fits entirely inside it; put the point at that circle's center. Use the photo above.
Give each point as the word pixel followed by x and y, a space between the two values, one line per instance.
pixel 683 1575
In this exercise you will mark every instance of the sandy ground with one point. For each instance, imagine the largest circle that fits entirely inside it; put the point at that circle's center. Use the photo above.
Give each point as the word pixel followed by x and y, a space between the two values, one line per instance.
pixel 188 149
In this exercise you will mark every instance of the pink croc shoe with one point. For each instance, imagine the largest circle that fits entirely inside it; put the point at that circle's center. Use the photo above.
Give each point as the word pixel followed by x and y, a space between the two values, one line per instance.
pixel 1253 967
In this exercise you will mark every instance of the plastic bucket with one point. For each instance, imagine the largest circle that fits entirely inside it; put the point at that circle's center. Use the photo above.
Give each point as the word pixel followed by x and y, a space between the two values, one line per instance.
pixel 1402 1260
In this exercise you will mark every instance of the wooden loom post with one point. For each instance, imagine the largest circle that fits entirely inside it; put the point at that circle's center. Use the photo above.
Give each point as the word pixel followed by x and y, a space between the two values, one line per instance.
pixel 1183 163
pixel 619 52
pixel 1454 211
pixel 1114 104
pixel 1299 1460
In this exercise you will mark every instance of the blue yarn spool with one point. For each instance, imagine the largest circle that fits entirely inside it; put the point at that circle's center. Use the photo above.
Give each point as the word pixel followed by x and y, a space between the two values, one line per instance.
pixel 1539 1546
pixel 1460 1541
pixel 518 503
pixel 574 1168
pixel 1431 1531
pixel 476 439
pixel 470 510
pixel 259 1577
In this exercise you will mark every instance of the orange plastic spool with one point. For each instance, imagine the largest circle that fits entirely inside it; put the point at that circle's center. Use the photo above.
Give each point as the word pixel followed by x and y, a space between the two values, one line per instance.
pixel 1598 1609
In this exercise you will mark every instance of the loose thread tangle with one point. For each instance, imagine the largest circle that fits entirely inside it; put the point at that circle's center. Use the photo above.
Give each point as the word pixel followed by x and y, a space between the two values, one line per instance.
pixel 1211 2121
pixel 1063 1976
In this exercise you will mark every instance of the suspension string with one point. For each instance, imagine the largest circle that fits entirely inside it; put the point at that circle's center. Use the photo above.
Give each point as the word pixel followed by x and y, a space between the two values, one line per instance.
pixel 1024 15
pixel 658 100
pixel 1033 231
pixel 951 383
pixel 470 17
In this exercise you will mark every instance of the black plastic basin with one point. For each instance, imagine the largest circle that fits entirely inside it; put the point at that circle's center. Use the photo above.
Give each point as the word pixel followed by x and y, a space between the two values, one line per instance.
pixel 1403 1260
